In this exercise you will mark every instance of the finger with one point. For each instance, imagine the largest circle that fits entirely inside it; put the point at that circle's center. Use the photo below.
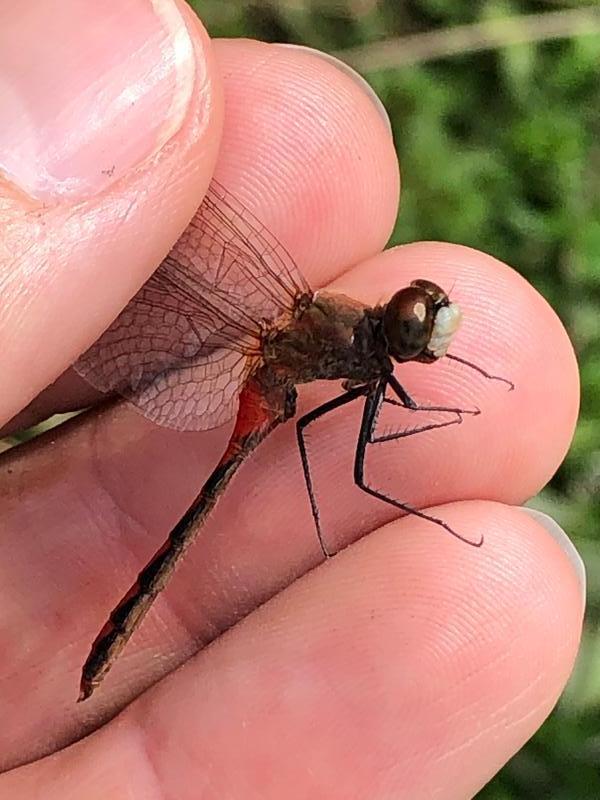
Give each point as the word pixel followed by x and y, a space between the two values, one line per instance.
pixel 408 667
pixel 104 176
pixel 97 503
pixel 307 149
pixel 515 446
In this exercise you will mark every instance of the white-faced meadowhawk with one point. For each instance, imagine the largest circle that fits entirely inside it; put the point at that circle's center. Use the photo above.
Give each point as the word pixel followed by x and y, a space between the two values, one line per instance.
pixel 227 327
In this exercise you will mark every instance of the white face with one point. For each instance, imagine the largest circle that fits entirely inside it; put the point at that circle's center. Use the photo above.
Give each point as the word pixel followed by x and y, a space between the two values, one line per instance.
pixel 445 325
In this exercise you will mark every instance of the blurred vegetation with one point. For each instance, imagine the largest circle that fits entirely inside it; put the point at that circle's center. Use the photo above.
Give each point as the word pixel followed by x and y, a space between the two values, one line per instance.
pixel 500 149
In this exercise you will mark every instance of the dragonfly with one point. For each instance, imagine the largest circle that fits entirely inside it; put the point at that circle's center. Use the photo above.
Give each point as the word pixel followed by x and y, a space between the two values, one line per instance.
pixel 227 327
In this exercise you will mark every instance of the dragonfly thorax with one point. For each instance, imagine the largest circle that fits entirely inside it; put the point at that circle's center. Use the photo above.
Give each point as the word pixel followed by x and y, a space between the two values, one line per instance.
pixel 335 338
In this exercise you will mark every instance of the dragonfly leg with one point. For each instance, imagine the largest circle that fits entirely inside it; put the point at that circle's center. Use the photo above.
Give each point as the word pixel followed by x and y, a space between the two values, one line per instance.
pixel 337 402
pixel 407 402
pixel 262 407
pixel 372 406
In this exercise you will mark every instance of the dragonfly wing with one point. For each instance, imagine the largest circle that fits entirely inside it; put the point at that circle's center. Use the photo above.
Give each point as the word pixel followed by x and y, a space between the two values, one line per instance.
pixel 197 397
pixel 186 343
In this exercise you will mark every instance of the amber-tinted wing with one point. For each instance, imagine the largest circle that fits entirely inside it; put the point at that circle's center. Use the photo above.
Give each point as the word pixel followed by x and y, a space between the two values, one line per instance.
pixel 184 345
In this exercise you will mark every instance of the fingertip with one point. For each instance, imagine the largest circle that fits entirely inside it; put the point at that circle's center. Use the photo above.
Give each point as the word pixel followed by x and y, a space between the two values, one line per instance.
pixel 305 148
pixel 355 76
pixel 470 647
pixel 510 331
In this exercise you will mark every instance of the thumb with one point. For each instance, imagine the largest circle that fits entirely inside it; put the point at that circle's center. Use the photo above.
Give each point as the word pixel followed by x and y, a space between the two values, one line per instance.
pixel 108 147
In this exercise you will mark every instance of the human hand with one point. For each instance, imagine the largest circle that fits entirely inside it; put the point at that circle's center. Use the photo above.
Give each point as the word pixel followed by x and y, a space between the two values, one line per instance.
pixel 410 665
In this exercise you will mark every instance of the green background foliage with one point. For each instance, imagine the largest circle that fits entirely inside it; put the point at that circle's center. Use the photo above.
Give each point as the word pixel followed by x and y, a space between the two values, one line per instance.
pixel 500 149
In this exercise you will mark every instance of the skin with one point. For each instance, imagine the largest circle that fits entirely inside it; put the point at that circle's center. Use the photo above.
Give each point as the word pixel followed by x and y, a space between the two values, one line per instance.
pixel 408 666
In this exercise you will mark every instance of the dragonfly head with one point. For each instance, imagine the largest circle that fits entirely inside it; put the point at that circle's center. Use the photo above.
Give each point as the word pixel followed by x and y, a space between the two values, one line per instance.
pixel 419 322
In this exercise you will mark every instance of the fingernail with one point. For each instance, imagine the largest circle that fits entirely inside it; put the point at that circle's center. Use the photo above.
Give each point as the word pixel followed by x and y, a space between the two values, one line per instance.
pixel 88 90
pixel 566 545
pixel 356 77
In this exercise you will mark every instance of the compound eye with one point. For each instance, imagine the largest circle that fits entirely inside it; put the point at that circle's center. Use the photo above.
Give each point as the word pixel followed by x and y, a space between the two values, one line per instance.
pixel 408 323
pixel 437 294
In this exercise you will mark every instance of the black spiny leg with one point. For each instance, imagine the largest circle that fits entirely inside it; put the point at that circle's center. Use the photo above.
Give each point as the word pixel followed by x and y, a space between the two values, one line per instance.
pixel 301 424
pixel 375 398
pixel 406 401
